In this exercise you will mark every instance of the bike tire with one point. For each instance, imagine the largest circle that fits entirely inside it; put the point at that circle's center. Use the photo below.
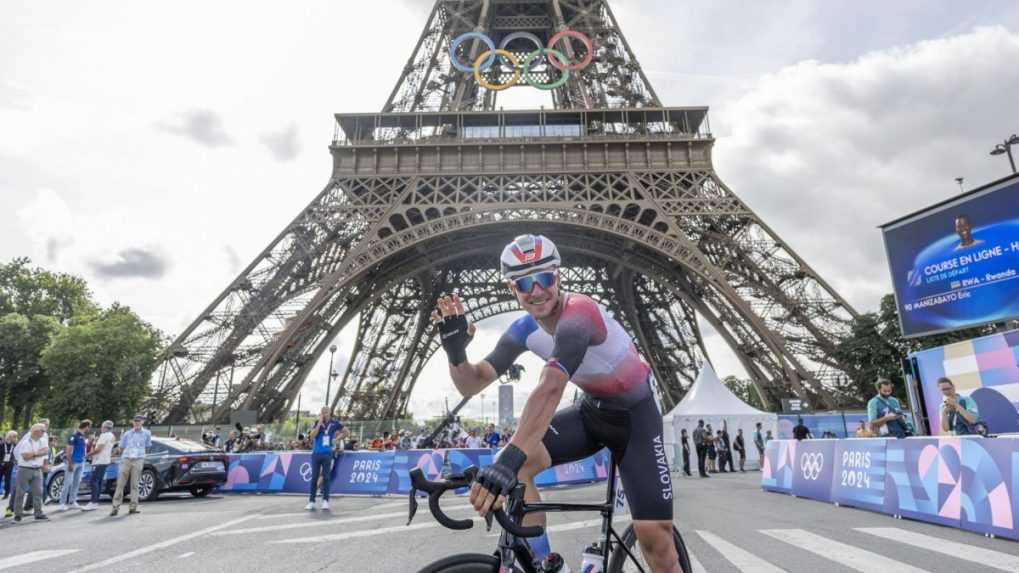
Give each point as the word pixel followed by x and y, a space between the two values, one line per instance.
pixel 464 563
pixel 620 559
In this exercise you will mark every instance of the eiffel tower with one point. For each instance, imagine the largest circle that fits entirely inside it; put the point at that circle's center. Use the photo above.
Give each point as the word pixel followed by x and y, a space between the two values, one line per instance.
pixel 423 194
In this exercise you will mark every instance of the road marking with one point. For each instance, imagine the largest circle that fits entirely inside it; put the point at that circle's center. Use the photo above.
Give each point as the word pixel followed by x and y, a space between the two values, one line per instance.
pixel 986 557
pixel 160 545
pixel 743 560
pixel 186 555
pixel 364 533
pixel 695 564
pixel 34 556
pixel 326 522
pixel 842 553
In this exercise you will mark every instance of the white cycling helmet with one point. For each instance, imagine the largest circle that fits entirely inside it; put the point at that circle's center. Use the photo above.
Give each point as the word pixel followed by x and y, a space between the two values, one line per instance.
pixel 527 254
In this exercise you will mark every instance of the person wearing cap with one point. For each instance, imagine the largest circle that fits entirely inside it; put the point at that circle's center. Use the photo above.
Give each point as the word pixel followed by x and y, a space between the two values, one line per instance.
pixel 102 453
pixel 133 445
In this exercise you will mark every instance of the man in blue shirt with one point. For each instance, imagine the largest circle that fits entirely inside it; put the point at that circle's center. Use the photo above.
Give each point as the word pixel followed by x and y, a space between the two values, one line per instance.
pixel 324 436
pixel 884 412
pixel 492 437
pixel 959 414
pixel 74 458
pixel 133 445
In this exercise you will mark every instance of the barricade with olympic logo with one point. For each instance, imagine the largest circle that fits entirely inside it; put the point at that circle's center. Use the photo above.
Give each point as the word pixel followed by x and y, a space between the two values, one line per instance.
pixel 968 483
pixel 380 473
pixel 522 70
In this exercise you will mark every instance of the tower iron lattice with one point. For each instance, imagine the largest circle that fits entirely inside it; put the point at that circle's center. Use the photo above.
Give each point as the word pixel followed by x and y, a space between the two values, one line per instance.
pixel 423 194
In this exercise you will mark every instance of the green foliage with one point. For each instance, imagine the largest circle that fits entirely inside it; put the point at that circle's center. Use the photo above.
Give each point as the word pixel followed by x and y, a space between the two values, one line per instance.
pixel 35 291
pixel 744 390
pixel 101 367
pixel 875 349
pixel 23 381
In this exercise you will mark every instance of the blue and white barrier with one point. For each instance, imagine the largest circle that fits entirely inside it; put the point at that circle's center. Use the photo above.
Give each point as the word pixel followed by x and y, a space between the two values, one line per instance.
pixel 380 473
pixel 965 482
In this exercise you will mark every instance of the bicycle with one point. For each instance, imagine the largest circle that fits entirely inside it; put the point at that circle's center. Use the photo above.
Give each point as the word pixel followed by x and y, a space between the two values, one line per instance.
pixel 514 556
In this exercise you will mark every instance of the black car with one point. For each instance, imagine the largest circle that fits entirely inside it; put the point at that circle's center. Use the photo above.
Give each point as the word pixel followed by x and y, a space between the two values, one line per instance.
pixel 171 464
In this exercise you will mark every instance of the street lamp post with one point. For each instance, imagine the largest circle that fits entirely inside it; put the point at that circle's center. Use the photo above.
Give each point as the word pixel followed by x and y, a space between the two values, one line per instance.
pixel 329 382
pixel 1005 148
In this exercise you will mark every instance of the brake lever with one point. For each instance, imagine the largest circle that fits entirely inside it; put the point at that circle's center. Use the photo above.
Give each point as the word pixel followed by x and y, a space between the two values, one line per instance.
pixel 489 518
pixel 413 505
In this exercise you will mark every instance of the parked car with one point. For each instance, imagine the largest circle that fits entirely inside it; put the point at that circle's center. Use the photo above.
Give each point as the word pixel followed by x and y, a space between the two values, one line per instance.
pixel 170 465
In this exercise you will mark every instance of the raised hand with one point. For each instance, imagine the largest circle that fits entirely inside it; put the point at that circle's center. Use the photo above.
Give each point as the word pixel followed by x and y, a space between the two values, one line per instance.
pixel 455 332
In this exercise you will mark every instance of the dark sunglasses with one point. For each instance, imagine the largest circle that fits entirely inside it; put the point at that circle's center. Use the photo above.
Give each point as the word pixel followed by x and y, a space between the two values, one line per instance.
pixel 526 284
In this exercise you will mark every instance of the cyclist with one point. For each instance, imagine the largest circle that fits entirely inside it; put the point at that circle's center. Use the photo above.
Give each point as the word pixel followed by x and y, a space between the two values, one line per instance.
pixel 582 343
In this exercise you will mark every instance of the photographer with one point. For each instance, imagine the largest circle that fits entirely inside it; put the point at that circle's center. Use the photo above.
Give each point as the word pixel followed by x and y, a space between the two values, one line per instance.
pixel 884 412
pixel 959 414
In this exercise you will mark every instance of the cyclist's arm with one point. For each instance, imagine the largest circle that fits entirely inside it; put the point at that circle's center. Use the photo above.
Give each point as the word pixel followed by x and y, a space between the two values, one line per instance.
pixel 471 379
pixel 539 409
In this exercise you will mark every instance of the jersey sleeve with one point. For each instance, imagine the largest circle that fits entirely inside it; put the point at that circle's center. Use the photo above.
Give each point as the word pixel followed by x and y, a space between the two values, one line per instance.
pixel 581 325
pixel 511 345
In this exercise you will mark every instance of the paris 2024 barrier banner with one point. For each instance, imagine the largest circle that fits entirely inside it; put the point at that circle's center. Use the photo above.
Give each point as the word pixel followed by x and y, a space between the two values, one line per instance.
pixel 380 473
pixel 969 483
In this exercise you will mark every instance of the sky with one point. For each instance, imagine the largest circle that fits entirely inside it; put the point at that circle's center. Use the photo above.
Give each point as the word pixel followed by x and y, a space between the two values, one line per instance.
pixel 156 149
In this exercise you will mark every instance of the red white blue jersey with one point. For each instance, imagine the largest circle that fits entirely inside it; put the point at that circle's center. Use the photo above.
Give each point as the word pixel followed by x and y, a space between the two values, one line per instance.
pixel 588 344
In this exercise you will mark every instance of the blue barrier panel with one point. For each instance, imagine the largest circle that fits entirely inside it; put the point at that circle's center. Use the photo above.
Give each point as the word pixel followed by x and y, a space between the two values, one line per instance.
pixel 989 486
pixel 859 479
pixel 812 469
pixel 964 482
pixel 379 473
pixel 923 480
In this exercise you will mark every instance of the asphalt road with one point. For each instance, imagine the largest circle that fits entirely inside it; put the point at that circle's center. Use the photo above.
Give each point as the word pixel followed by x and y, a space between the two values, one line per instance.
pixel 728 523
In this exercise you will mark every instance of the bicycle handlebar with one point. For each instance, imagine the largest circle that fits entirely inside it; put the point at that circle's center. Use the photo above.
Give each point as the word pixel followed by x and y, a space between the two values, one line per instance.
pixel 435 489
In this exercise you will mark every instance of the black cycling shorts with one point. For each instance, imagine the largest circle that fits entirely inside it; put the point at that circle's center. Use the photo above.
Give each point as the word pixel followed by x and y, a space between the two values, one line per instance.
pixel 634 436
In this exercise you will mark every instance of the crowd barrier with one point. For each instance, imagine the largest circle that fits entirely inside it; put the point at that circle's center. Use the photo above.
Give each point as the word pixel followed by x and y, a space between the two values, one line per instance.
pixel 380 473
pixel 964 482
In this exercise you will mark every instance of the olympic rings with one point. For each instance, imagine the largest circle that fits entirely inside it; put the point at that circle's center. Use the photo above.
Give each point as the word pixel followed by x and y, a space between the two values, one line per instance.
pixel 497 87
pixel 563 78
pixel 522 70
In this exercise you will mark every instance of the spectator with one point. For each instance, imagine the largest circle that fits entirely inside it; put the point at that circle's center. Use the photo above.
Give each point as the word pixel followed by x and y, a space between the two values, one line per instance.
pixel 216 439
pixel 326 432
pixel 863 431
pixel 728 445
pixel 723 451
pixel 376 444
pixel 709 440
pixel 958 413
pixel 492 437
pixel 741 448
pixel 102 454
pixel 700 443
pixel 473 441
pixel 759 444
pixel 7 462
pixel 231 442
pixel 31 454
pixel 884 412
pixel 133 445
pixel 800 431
pixel 74 464
pixel 685 443
pixel 258 438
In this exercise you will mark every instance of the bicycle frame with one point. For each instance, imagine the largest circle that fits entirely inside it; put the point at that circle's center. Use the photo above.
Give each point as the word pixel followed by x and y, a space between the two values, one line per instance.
pixel 508 547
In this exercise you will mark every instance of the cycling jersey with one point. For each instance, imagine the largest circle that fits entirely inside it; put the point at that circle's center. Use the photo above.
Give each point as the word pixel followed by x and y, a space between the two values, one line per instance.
pixel 588 344
pixel 619 409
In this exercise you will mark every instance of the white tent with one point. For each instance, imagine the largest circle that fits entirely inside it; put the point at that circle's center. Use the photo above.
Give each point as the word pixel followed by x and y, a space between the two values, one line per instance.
pixel 711 401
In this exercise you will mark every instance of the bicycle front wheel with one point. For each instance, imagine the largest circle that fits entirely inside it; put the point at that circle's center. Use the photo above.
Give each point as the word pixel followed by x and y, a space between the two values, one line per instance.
pixel 621 562
pixel 464 563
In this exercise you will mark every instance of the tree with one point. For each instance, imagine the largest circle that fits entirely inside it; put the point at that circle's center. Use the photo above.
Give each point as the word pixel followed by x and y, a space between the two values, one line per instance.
pixel 744 390
pixel 22 378
pixel 101 367
pixel 876 348
pixel 36 291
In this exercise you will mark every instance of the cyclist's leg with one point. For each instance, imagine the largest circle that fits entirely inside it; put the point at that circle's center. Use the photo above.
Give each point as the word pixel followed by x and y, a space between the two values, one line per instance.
pixel 644 470
pixel 566 440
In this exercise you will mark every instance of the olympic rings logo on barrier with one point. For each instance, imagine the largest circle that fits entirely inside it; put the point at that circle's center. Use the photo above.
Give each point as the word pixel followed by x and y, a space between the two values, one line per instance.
pixel 522 69
pixel 811 465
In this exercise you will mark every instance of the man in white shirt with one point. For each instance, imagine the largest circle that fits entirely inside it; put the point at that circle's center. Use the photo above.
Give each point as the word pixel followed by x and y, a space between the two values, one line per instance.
pixel 31 454
pixel 473 441
pixel 102 453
